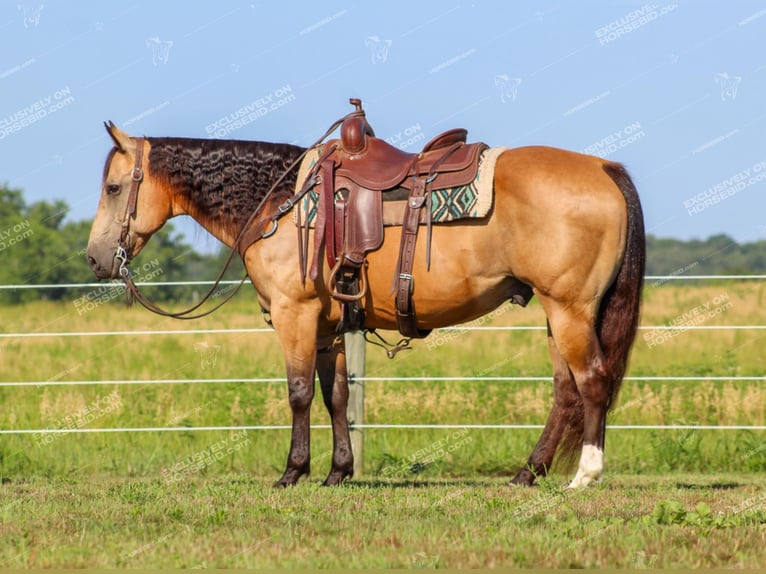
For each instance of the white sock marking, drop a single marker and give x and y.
(591, 466)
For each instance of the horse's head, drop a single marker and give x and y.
(126, 216)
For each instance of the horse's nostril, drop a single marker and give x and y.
(92, 262)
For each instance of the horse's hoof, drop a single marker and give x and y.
(289, 478)
(582, 482)
(336, 478)
(523, 478)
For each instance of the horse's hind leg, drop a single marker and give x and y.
(565, 405)
(573, 330)
(333, 378)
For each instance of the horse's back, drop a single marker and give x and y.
(537, 175)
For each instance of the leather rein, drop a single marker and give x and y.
(123, 245)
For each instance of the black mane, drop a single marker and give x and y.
(224, 179)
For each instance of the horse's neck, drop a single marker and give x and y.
(226, 234)
(228, 231)
(222, 183)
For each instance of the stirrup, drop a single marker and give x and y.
(332, 284)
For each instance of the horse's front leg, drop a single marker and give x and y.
(297, 333)
(333, 378)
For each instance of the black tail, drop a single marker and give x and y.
(617, 321)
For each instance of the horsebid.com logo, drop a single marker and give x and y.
(15, 234)
(726, 188)
(105, 293)
(632, 21)
(35, 112)
(250, 112)
(691, 318)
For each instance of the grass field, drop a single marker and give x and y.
(237, 521)
(140, 499)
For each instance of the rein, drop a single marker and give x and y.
(238, 246)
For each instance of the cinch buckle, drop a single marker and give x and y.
(285, 207)
(408, 277)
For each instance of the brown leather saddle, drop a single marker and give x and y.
(354, 172)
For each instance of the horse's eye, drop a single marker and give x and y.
(112, 189)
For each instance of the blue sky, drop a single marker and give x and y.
(675, 91)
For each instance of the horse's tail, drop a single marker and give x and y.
(617, 321)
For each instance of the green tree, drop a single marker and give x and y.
(717, 255)
(31, 244)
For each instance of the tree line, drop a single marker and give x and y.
(39, 246)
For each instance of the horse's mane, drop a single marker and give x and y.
(224, 179)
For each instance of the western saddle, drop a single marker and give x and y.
(354, 173)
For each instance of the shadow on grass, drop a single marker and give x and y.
(413, 484)
(373, 483)
(713, 486)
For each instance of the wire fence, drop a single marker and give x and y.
(118, 283)
(362, 380)
(381, 426)
(270, 380)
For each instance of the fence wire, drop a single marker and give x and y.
(381, 426)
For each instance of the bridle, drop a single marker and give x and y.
(246, 237)
(136, 177)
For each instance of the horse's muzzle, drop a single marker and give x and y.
(103, 271)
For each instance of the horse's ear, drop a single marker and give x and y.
(122, 141)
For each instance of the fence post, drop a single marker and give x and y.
(355, 361)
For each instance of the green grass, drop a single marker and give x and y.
(236, 521)
(139, 499)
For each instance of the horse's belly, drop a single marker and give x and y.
(441, 299)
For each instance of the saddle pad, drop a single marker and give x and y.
(465, 202)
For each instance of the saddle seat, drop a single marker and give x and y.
(373, 163)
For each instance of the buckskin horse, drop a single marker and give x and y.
(563, 226)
